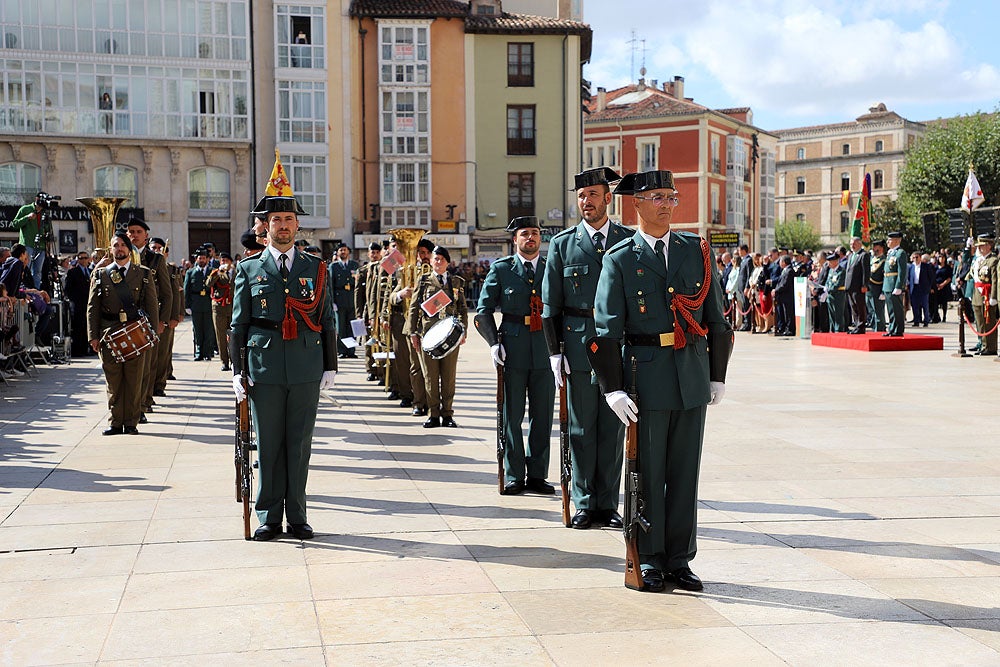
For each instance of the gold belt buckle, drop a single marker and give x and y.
(667, 339)
(527, 320)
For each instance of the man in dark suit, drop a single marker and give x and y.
(343, 278)
(77, 290)
(920, 279)
(856, 285)
(784, 298)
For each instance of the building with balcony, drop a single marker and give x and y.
(146, 100)
(723, 166)
(466, 115)
(816, 164)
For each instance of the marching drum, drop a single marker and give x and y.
(131, 340)
(442, 339)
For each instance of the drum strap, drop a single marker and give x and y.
(125, 296)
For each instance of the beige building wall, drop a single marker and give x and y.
(556, 96)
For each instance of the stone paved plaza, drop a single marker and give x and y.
(850, 515)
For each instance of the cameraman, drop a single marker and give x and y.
(29, 223)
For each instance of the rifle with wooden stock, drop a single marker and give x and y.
(501, 425)
(635, 504)
(244, 444)
(565, 456)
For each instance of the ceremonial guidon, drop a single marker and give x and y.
(572, 268)
(283, 317)
(512, 286)
(661, 334)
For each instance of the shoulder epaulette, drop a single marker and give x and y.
(566, 232)
(624, 243)
(509, 259)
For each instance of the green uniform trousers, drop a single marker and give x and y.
(897, 316)
(204, 334)
(283, 417)
(596, 439)
(835, 305)
(669, 460)
(876, 309)
(222, 317)
(124, 388)
(164, 349)
(537, 385)
(439, 383)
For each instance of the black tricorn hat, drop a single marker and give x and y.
(249, 241)
(201, 252)
(645, 180)
(879, 242)
(831, 256)
(523, 222)
(136, 220)
(598, 176)
(272, 204)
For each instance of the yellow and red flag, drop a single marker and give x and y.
(277, 184)
(862, 217)
(845, 197)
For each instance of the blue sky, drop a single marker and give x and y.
(807, 62)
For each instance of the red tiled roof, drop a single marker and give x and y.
(486, 23)
(409, 8)
(657, 103)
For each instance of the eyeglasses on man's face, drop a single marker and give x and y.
(660, 199)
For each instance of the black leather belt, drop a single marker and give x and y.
(265, 324)
(579, 312)
(519, 319)
(650, 340)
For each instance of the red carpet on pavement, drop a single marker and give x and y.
(876, 342)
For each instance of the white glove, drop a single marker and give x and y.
(968, 242)
(238, 387)
(498, 354)
(326, 382)
(623, 406)
(993, 302)
(881, 297)
(558, 363)
(718, 390)
(897, 292)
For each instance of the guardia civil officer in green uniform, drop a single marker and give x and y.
(283, 315)
(197, 299)
(875, 297)
(894, 284)
(659, 301)
(836, 296)
(572, 267)
(121, 291)
(513, 285)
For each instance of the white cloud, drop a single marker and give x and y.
(796, 57)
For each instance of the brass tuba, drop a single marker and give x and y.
(103, 211)
(406, 239)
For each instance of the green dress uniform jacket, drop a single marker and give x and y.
(196, 297)
(836, 298)
(104, 312)
(526, 368)
(894, 277)
(286, 374)
(633, 309)
(875, 305)
(572, 269)
(438, 374)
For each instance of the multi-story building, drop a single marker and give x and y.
(146, 100)
(817, 164)
(466, 116)
(723, 166)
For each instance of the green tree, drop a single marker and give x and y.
(937, 165)
(797, 234)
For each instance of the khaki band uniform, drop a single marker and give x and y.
(395, 312)
(439, 374)
(220, 285)
(362, 311)
(105, 311)
(379, 290)
(160, 281)
(416, 371)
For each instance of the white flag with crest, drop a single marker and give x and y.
(972, 196)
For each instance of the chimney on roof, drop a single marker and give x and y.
(679, 87)
(653, 83)
(602, 98)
